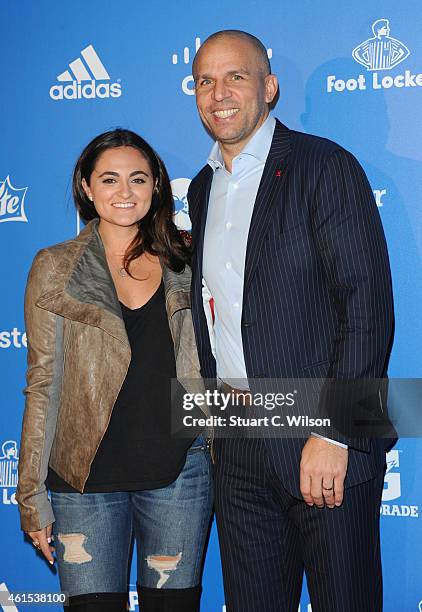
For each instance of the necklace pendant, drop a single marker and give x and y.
(122, 272)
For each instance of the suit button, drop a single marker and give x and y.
(248, 323)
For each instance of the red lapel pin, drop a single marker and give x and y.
(278, 173)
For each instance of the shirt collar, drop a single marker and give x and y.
(258, 146)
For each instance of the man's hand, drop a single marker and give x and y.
(322, 472)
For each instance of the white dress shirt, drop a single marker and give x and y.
(230, 209)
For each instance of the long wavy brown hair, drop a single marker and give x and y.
(157, 233)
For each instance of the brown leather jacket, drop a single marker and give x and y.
(78, 357)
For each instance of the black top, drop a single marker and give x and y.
(137, 451)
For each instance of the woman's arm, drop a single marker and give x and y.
(45, 365)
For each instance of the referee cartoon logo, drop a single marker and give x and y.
(9, 464)
(382, 52)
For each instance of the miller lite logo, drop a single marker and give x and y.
(12, 202)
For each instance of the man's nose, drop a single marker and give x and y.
(221, 91)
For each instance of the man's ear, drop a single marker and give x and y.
(271, 88)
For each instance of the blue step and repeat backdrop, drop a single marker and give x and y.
(72, 69)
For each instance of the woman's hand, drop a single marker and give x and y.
(41, 540)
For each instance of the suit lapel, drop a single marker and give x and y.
(201, 206)
(199, 218)
(274, 175)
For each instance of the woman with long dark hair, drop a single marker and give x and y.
(109, 327)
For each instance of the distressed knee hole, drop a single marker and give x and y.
(163, 565)
(74, 550)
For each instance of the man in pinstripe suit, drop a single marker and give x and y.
(289, 245)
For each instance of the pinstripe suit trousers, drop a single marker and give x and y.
(268, 538)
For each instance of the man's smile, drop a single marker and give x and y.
(225, 113)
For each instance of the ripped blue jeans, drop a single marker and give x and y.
(93, 532)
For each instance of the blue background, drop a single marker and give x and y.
(136, 40)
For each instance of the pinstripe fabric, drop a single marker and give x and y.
(317, 294)
(267, 537)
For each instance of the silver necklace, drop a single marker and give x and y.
(119, 270)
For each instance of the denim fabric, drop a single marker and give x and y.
(93, 532)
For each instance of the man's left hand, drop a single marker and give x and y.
(322, 472)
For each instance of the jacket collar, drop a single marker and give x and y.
(85, 290)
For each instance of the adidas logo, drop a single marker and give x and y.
(82, 77)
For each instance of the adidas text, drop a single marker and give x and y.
(78, 91)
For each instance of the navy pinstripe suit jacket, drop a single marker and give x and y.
(317, 290)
